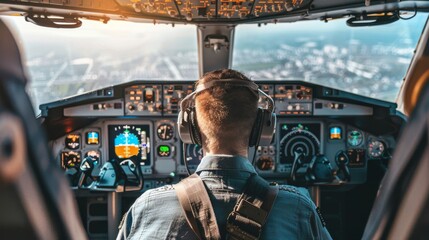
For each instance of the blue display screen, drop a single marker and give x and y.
(92, 138)
(335, 133)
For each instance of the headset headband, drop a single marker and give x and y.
(263, 127)
(231, 81)
(228, 82)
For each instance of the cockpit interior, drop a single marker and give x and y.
(90, 152)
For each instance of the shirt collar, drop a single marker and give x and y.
(225, 162)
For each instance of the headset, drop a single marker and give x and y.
(263, 127)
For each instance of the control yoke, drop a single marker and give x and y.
(317, 171)
(111, 177)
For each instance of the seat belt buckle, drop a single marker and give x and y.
(244, 222)
(250, 211)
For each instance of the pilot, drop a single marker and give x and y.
(225, 117)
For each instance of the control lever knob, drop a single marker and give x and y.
(86, 167)
(342, 160)
(297, 162)
(320, 170)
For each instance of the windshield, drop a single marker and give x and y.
(66, 62)
(369, 61)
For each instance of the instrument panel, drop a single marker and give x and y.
(156, 146)
(137, 121)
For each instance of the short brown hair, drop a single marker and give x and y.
(226, 112)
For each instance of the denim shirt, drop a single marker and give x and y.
(157, 214)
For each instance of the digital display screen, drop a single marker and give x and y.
(164, 150)
(92, 138)
(299, 139)
(335, 133)
(130, 142)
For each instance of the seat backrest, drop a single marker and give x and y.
(35, 200)
(401, 209)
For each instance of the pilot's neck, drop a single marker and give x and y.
(240, 152)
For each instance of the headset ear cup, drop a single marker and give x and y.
(268, 127)
(263, 128)
(195, 130)
(256, 129)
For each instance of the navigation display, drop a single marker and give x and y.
(130, 142)
(299, 138)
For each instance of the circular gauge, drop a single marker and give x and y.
(375, 148)
(94, 155)
(265, 163)
(298, 141)
(354, 138)
(165, 131)
(70, 159)
(72, 141)
(194, 154)
(164, 150)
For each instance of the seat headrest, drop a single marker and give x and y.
(10, 56)
(414, 86)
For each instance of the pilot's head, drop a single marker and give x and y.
(226, 114)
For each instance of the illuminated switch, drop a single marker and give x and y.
(328, 92)
(108, 92)
(148, 95)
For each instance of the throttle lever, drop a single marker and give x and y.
(319, 170)
(131, 167)
(297, 163)
(86, 168)
(112, 177)
(342, 160)
(135, 184)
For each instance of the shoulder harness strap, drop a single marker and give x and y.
(245, 222)
(195, 202)
(251, 212)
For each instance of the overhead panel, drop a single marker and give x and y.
(109, 5)
(161, 8)
(201, 10)
(196, 11)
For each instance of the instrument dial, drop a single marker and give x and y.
(354, 138)
(165, 131)
(94, 155)
(375, 148)
(72, 141)
(265, 163)
(70, 159)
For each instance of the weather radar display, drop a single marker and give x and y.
(130, 142)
